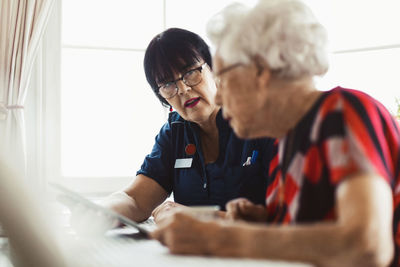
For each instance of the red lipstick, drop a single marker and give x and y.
(192, 102)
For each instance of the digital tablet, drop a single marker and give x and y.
(78, 199)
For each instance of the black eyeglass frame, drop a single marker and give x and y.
(199, 68)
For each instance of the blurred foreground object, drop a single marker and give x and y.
(30, 240)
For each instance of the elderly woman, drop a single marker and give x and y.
(333, 197)
(196, 155)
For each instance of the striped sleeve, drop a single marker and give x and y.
(370, 141)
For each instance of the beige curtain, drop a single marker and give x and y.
(22, 24)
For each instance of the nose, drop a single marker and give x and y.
(218, 98)
(182, 87)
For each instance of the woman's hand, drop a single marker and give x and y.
(183, 234)
(244, 209)
(166, 209)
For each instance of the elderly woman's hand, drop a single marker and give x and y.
(244, 209)
(166, 209)
(183, 234)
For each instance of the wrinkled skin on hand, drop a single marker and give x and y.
(244, 209)
(183, 234)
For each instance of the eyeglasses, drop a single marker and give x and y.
(217, 76)
(190, 78)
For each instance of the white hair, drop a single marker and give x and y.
(284, 33)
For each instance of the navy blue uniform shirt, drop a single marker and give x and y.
(213, 183)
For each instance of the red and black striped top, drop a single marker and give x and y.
(345, 132)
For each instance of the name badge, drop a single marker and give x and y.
(183, 163)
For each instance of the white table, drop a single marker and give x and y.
(123, 252)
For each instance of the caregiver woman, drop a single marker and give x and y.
(196, 155)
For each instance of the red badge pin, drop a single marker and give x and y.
(190, 149)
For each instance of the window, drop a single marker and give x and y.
(108, 114)
(105, 114)
(365, 50)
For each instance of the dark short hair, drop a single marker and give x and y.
(171, 51)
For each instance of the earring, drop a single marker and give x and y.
(170, 109)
